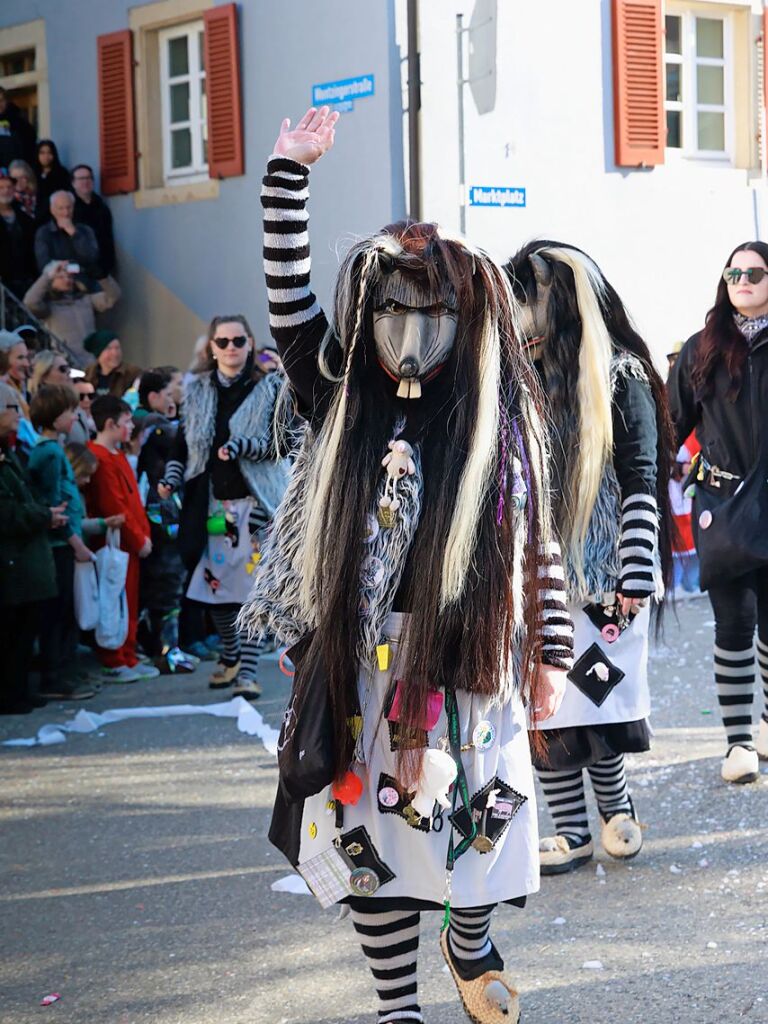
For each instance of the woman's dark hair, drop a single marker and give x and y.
(52, 146)
(721, 340)
(206, 362)
(151, 380)
(50, 401)
(561, 370)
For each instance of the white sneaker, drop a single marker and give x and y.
(121, 674)
(145, 671)
(762, 740)
(740, 765)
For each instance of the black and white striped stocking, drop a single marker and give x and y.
(390, 941)
(735, 680)
(609, 781)
(567, 804)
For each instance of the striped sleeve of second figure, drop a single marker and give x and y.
(555, 623)
(637, 548)
(284, 195)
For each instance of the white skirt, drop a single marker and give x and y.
(224, 574)
(416, 857)
(609, 679)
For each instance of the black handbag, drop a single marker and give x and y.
(305, 749)
(731, 533)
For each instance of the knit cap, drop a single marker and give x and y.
(97, 341)
(8, 339)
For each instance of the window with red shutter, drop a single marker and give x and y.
(222, 69)
(117, 120)
(638, 91)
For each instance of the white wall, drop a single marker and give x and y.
(661, 236)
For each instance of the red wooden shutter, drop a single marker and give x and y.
(638, 90)
(222, 73)
(117, 119)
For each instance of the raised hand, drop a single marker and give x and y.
(310, 139)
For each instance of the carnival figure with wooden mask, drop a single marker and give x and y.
(412, 566)
(611, 444)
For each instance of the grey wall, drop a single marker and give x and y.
(208, 253)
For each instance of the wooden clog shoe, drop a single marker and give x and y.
(557, 855)
(489, 999)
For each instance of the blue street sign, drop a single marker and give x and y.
(344, 91)
(489, 195)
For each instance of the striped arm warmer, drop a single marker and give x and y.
(637, 547)
(556, 624)
(247, 448)
(284, 195)
(174, 474)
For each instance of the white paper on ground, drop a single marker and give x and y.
(291, 883)
(248, 718)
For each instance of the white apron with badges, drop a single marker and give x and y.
(409, 859)
(609, 679)
(224, 574)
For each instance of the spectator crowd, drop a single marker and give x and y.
(102, 457)
(57, 247)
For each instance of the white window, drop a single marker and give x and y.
(699, 84)
(183, 103)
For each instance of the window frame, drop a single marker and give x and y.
(689, 107)
(194, 33)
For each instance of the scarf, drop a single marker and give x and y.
(750, 326)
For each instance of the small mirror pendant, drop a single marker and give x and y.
(386, 517)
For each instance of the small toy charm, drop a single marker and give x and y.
(349, 790)
(398, 464)
(483, 735)
(600, 671)
(438, 772)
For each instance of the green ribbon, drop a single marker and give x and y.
(460, 789)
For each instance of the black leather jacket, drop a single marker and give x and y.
(730, 431)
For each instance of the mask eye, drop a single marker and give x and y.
(391, 306)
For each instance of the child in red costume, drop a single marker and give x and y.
(114, 490)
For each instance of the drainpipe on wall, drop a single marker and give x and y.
(414, 110)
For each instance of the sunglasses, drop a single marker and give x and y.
(732, 275)
(239, 342)
(64, 368)
(86, 397)
(12, 408)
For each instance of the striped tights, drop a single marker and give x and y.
(566, 798)
(234, 645)
(390, 941)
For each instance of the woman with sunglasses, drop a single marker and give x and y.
(49, 367)
(233, 481)
(719, 387)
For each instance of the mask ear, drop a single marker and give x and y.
(542, 271)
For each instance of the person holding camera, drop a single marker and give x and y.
(67, 302)
(719, 388)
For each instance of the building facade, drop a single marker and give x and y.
(633, 128)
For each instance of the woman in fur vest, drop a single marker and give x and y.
(400, 566)
(611, 444)
(233, 481)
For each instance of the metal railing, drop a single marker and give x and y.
(13, 314)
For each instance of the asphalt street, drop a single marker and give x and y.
(135, 880)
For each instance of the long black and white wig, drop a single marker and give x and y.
(583, 324)
(470, 589)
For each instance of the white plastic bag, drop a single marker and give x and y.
(112, 569)
(86, 595)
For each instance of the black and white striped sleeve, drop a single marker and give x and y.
(296, 320)
(555, 622)
(173, 473)
(638, 543)
(252, 448)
